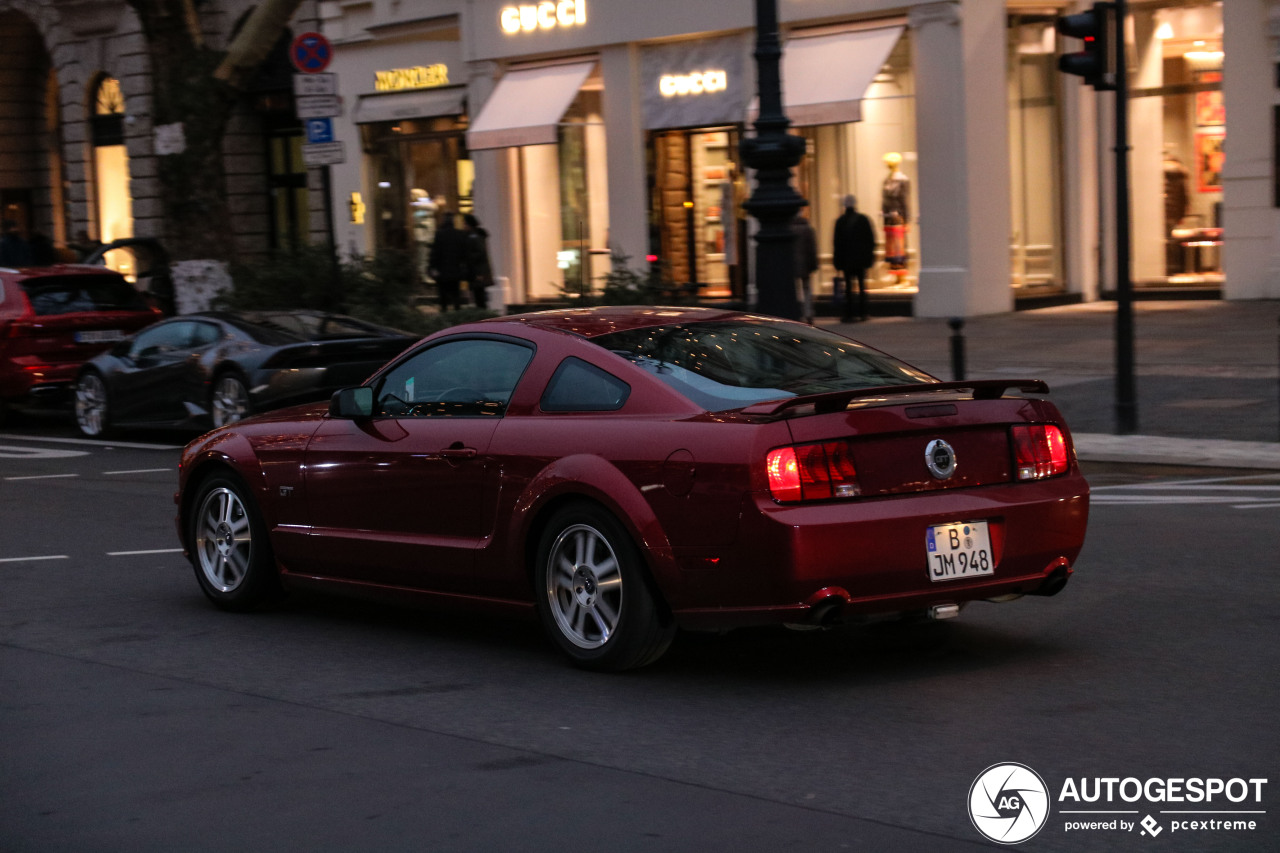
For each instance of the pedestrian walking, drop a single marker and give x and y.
(806, 264)
(479, 270)
(853, 251)
(447, 263)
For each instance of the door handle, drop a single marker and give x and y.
(456, 451)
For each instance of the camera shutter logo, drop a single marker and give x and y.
(1008, 803)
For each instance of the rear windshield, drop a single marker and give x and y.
(70, 294)
(733, 364)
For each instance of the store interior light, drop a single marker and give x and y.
(1164, 32)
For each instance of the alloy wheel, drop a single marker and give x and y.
(230, 400)
(224, 539)
(91, 404)
(584, 586)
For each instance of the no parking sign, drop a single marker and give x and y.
(310, 52)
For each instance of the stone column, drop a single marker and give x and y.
(1251, 222)
(962, 132)
(624, 130)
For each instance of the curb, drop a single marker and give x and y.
(1161, 450)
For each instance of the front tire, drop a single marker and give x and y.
(229, 401)
(92, 405)
(230, 553)
(594, 595)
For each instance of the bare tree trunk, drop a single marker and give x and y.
(194, 90)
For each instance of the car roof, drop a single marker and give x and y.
(56, 270)
(603, 320)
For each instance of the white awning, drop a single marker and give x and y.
(825, 78)
(526, 106)
(419, 103)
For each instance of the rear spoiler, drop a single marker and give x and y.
(835, 401)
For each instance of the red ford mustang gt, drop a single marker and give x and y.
(628, 471)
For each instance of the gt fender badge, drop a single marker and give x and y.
(940, 459)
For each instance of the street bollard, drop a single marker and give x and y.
(957, 348)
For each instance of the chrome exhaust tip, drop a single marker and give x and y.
(944, 611)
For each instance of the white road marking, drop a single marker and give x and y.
(33, 559)
(91, 442)
(7, 452)
(1231, 491)
(139, 471)
(44, 477)
(142, 553)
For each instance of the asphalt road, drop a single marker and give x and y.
(134, 716)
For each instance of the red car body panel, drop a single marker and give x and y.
(448, 509)
(40, 352)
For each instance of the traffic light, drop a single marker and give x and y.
(1095, 27)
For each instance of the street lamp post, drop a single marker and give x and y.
(772, 152)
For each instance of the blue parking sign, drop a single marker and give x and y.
(319, 130)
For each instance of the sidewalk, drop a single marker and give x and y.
(1207, 373)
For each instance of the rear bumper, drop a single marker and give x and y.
(860, 559)
(23, 379)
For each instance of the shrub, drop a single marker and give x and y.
(383, 288)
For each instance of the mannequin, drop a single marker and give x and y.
(1176, 203)
(893, 206)
(424, 226)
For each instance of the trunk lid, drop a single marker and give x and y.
(890, 438)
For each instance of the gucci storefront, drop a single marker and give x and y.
(583, 131)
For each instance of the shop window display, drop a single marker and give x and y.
(695, 209)
(418, 169)
(1178, 129)
(111, 162)
(874, 160)
(1035, 155)
(564, 203)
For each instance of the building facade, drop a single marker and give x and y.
(589, 133)
(584, 131)
(78, 148)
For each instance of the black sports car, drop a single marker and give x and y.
(214, 368)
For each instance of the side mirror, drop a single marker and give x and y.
(352, 403)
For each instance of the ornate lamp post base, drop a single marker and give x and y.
(773, 152)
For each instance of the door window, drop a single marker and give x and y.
(467, 378)
(162, 340)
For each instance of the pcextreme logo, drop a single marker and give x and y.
(1009, 803)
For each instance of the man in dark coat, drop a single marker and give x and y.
(853, 247)
(479, 269)
(447, 263)
(806, 247)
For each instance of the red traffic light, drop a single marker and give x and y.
(1094, 28)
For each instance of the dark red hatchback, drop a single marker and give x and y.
(54, 319)
(628, 471)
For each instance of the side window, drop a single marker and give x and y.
(579, 386)
(466, 378)
(162, 339)
(205, 334)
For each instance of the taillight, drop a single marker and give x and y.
(807, 472)
(1039, 451)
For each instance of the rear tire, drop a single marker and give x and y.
(594, 595)
(230, 553)
(92, 405)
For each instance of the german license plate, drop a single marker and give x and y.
(99, 336)
(958, 551)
